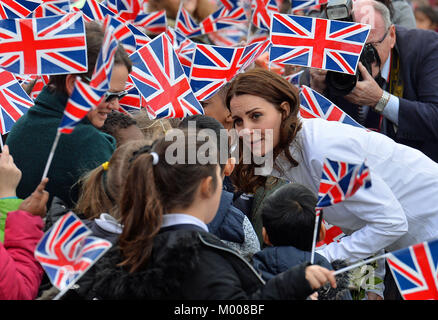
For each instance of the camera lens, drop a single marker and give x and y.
(340, 84)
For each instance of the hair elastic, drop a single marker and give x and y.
(105, 165)
(155, 157)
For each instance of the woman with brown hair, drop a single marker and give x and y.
(396, 212)
(165, 250)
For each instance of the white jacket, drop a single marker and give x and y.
(400, 209)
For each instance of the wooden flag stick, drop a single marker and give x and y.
(51, 154)
(361, 263)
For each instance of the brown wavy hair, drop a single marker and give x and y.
(276, 90)
(151, 191)
(100, 188)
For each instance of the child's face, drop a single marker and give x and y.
(423, 22)
(215, 108)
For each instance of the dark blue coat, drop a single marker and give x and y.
(228, 222)
(274, 260)
(418, 112)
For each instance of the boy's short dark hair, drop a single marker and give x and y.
(117, 120)
(206, 122)
(288, 216)
(202, 122)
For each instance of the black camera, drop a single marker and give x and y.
(341, 84)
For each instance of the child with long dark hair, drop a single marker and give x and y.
(165, 250)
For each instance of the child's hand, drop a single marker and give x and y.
(318, 276)
(10, 175)
(36, 203)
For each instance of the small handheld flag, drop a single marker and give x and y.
(160, 79)
(14, 101)
(317, 43)
(51, 45)
(339, 181)
(67, 251)
(315, 105)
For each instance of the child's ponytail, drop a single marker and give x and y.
(141, 212)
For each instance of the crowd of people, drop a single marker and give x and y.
(218, 230)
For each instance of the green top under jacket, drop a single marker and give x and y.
(31, 139)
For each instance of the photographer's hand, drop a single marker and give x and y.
(367, 92)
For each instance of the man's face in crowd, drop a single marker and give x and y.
(380, 37)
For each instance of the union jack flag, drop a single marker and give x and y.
(95, 10)
(184, 49)
(214, 66)
(14, 101)
(185, 24)
(41, 81)
(51, 8)
(125, 9)
(132, 102)
(129, 36)
(415, 270)
(51, 45)
(155, 22)
(332, 234)
(81, 101)
(294, 78)
(317, 43)
(140, 38)
(102, 72)
(160, 79)
(67, 250)
(253, 51)
(315, 105)
(340, 180)
(122, 33)
(302, 4)
(15, 9)
(262, 11)
(230, 4)
(220, 19)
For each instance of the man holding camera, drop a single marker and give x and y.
(396, 88)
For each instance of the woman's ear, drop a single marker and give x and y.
(285, 110)
(70, 83)
(229, 167)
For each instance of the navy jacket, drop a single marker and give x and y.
(418, 112)
(228, 222)
(274, 260)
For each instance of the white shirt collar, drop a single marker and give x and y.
(171, 219)
(385, 69)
